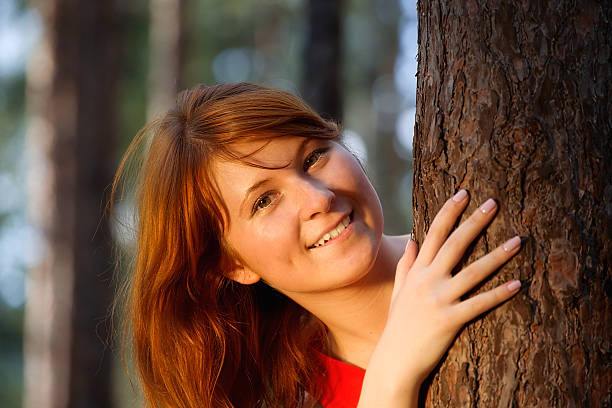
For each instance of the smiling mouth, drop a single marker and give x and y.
(334, 232)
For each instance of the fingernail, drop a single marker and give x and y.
(460, 196)
(488, 206)
(514, 285)
(512, 243)
(412, 238)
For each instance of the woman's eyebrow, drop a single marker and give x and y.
(256, 186)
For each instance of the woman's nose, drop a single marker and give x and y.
(313, 197)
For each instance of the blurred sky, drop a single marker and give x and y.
(19, 242)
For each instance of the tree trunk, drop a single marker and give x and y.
(71, 101)
(514, 102)
(167, 54)
(322, 55)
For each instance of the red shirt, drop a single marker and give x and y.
(343, 383)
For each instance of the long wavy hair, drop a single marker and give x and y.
(198, 338)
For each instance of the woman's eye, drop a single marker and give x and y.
(262, 203)
(313, 158)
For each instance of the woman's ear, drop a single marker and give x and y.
(242, 274)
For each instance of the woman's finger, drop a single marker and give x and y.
(477, 305)
(474, 273)
(454, 247)
(441, 226)
(404, 265)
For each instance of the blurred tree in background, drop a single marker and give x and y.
(71, 97)
(166, 54)
(321, 86)
(102, 69)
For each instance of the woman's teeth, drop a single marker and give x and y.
(334, 232)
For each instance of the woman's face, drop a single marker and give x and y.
(280, 218)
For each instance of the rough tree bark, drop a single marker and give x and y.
(71, 101)
(514, 102)
(322, 54)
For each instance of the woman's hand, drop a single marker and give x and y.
(426, 310)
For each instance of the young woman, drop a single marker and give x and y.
(261, 275)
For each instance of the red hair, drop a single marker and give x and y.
(200, 339)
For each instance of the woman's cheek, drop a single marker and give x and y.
(275, 235)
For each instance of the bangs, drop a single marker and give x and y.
(226, 152)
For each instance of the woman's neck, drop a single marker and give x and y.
(356, 315)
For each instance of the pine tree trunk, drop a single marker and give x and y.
(514, 102)
(71, 107)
